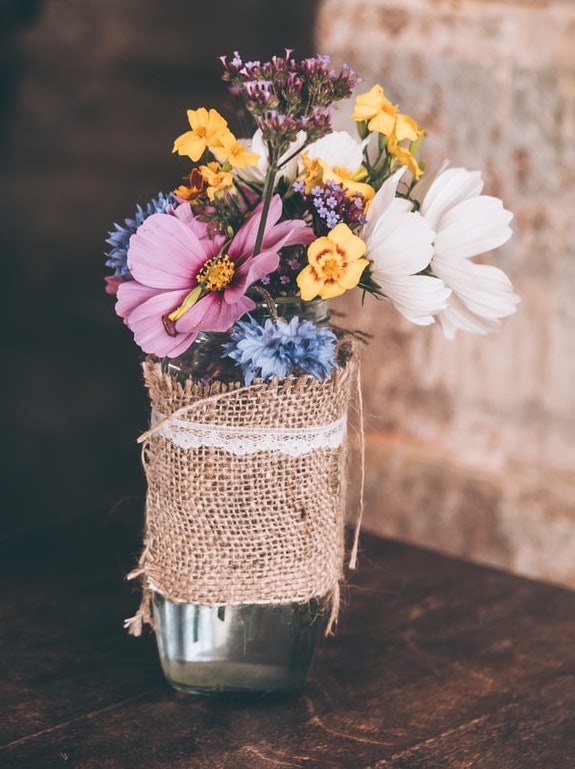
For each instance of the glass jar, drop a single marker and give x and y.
(251, 647)
(204, 362)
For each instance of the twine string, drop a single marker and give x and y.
(361, 507)
(190, 407)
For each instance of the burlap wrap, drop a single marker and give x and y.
(264, 527)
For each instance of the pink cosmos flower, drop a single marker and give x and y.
(187, 280)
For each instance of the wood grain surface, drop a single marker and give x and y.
(435, 664)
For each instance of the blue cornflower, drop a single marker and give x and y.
(282, 348)
(119, 238)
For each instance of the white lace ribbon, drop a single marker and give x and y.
(293, 442)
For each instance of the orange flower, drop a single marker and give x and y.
(196, 188)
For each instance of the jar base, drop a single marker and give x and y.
(232, 678)
(246, 649)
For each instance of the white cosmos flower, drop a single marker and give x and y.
(256, 174)
(399, 245)
(337, 150)
(467, 224)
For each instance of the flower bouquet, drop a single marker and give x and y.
(224, 282)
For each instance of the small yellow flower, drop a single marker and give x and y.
(313, 173)
(404, 156)
(382, 116)
(335, 264)
(207, 130)
(317, 173)
(230, 150)
(348, 180)
(216, 179)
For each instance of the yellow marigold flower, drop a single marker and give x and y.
(216, 179)
(207, 130)
(382, 116)
(335, 264)
(404, 156)
(230, 150)
(405, 128)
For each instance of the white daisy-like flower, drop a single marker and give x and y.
(337, 150)
(467, 224)
(399, 243)
(257, 174)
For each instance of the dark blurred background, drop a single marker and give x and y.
(92, 95)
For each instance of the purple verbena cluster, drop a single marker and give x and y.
(332, 204)
(285, 96)
(282, 282)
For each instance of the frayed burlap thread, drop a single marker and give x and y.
(259, 527)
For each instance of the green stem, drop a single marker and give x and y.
(266, 201)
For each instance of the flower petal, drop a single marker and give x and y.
(185, 214)
(472, 227)
(165, 253)
(457, 317)
(417, 297)
(149, 332)
(337, 149)
(450, 187)
(245, 239)
(214, 313)
(131, 294)
(309, 283)
(258, 267)
(400, 242)
(382, 200)
(289, 233)
(483, 289)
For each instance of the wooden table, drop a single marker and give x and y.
(436, 664)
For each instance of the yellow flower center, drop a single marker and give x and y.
(331, 263)
(217, 273)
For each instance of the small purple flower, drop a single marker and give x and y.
(331, 205)
(284, 96)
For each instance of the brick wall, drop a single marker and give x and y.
(471, 443)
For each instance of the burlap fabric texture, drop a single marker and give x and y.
(232, 528)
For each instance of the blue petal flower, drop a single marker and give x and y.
(281, 348)
(119, 238)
